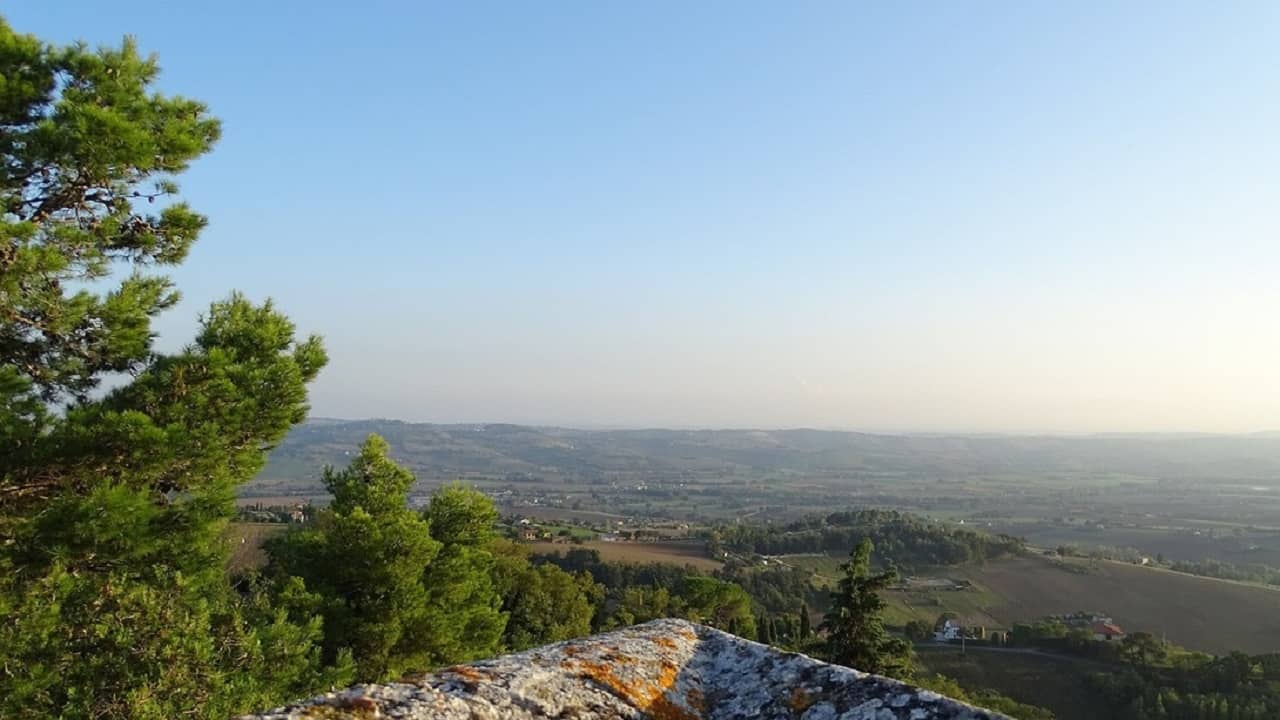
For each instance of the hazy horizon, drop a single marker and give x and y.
(910, 218)
(1265, 433)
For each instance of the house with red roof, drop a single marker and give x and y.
(1106, 631)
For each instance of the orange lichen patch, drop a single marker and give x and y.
(613, 655)
(469, 677)
(665, 642)
(468, 674)
(571, 650)
(664, 709)
(800, 700)
(347, 707)
(647, 697)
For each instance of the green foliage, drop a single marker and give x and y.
(543, 603)
(1032, 633)
(1250, 572)
(1191, 687)
(398, 592)
(1143, 648)
(806, 631)
(764, 630)
(112, 590)
(84, 139)
(459, 514)
(918, 630)
(464, 616)
(988, 699)
(641, 603)
(899, 537)
(636, 593)
(856, 635)
(720, 604)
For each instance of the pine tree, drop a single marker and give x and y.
(464, 608)
(856, 636)
(365, 556)
(805, 630)
(720, 604)
(543, 603)
(113, 594)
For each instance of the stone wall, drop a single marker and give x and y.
(665, 670)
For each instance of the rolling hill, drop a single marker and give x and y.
(440, 451)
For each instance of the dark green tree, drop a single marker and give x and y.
(806, 631)
(402, 591)
(365, 556)
(720, 604)
(918, 630)
(113, 598)
(1143, 649)
(464, 609)
(544, 604)
(765, 633)
(856, 635)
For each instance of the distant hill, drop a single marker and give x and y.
(442, 451)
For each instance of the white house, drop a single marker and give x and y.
(948, 631)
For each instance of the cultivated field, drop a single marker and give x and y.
(1198, 613)
(246, 543)
(676, 553)
(1239, 545)
(552, 514)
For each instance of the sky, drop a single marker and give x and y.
(928, 217)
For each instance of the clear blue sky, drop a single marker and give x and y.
(889, 216)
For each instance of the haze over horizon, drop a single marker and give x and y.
(605, 427)
(979, 218)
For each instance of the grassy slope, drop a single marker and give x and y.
(676, 553)
(246, 543)
(1051, 681)
(1198, 613)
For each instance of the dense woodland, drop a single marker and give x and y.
(900, 538)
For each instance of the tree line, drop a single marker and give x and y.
(1160, 682)
(901, 538)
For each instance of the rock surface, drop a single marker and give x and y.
(664, 670)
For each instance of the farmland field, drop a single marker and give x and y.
(1199, 613)
(246, 543)
(676, 553)
(1241, 546)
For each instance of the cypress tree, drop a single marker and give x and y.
(765, 630)
(856, 635)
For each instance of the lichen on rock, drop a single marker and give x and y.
(664, 670)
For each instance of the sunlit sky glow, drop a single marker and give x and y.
(985, 216)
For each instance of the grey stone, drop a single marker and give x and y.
(663, 670)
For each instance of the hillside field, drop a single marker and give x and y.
(1199, 613)
(246, 540)
(675, 553)
(1204, 614)
(1056, 682)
